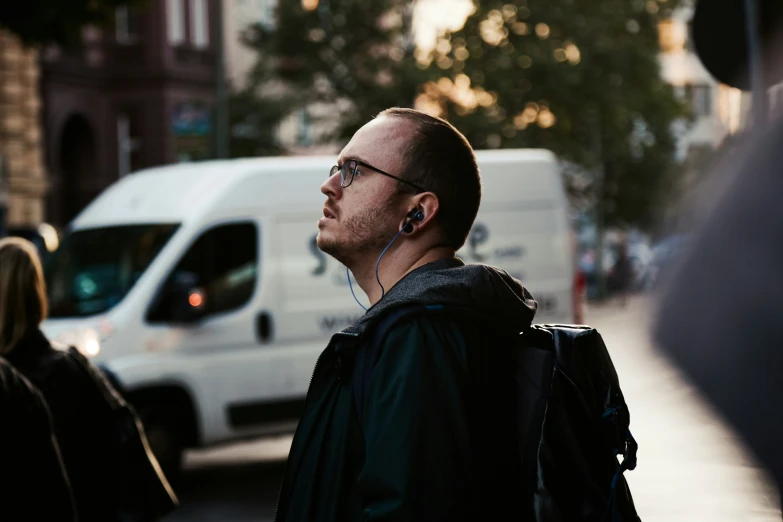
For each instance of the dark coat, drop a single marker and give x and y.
(83, 406)
(33, 483)
(431, 445)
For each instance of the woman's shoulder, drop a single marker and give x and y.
(14, 387)
(62, 373)
(35, 356)
(55, 369)
(22, 406)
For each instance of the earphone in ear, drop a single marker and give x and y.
(414, 215)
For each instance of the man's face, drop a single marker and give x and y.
(361, 219)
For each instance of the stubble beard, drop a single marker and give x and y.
(360, 235)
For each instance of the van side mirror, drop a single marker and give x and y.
(187, 298)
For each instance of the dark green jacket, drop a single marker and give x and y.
(437, 441)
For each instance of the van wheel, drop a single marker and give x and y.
(165, 440)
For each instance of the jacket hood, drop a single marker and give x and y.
(450, 282)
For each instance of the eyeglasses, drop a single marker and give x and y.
(348, 171)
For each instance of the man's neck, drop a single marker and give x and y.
(394, 266)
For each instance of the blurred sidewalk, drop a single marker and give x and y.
(691, 466)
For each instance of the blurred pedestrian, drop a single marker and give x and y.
(113, 474)
(33, 482)
(428, 435)
(721, 309)
(718, 318)
(621, 275)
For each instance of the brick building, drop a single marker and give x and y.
(23, 178)
(138, 95)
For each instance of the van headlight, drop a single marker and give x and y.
(86, 340)
(91, 345)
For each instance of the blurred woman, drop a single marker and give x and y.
(30, 463)
(112, 472)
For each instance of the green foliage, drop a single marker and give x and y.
(579, 77)
(354, 54)
(252, 124)
(59, 22)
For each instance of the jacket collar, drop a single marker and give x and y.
(396, 296)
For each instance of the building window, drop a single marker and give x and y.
(666, 35)
(700, 99)
(199, 23)
(689, 45)
(304, 128)
(266, 13)
(775, 94)
(126, 22)
(128, 144)
(671, 36)
(175, 21)
(729, 105)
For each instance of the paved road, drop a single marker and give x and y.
(691, 467)
(237, 483)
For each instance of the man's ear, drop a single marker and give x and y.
(428, 204)
(425, 208)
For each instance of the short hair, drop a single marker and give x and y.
(440, 159)
(22, 291)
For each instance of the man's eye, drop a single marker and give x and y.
(357, 171)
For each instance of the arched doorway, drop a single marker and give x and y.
(77, 167)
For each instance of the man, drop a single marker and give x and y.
(433, 437)
(33, 482)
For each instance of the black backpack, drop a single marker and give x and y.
(571, 416)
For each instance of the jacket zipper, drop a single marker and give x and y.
(304, 409)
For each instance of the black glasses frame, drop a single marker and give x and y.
(348, 170)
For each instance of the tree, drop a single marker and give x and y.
(353, 56)
(578, 77)
(252, 124)
(56, 21)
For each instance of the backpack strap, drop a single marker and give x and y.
(628, 450)
(368, 355)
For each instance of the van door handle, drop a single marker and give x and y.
(264, 327)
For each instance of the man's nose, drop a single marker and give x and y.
(331, 187)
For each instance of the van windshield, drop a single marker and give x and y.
(95, 268)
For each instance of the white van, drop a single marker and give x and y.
(200, 289)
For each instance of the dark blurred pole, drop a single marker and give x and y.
(408, 42)
(221, 102)
(755, 61)
(409, 45)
